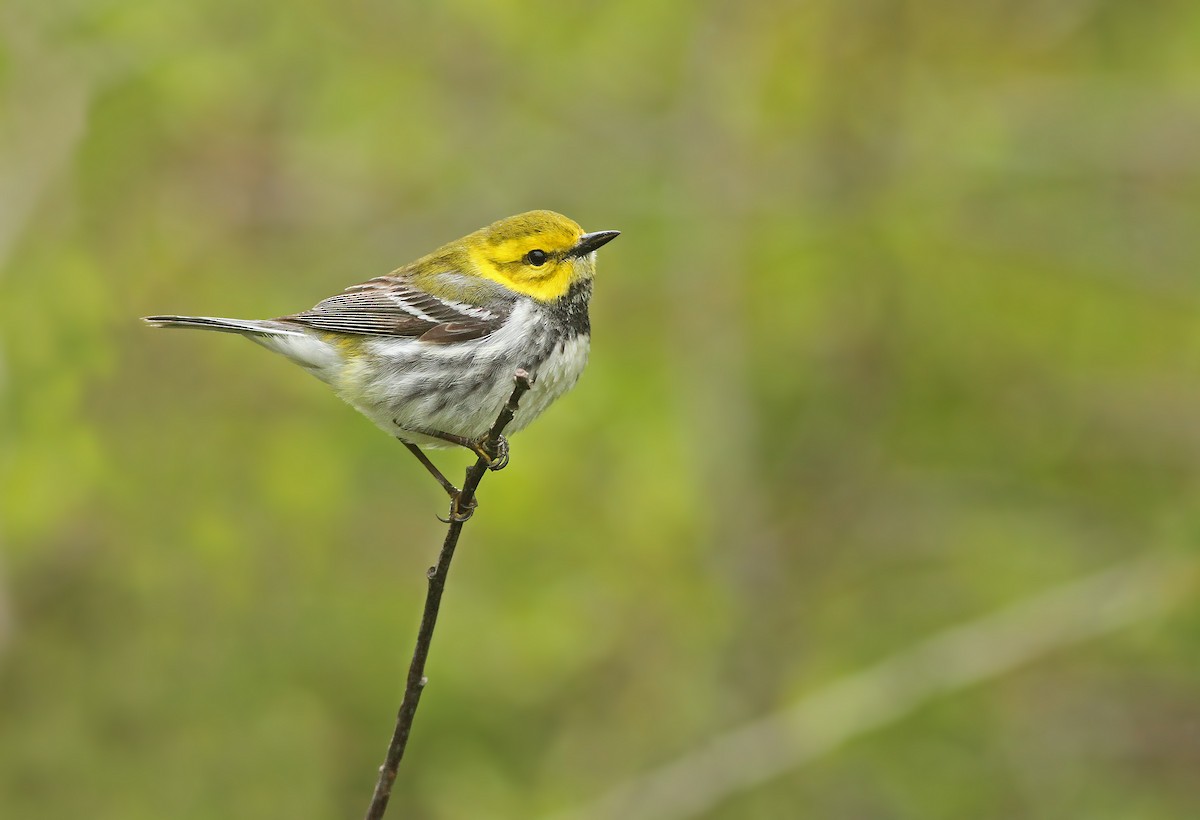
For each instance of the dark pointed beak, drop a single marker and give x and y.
(590, 241)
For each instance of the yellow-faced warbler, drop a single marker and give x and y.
(429, 351)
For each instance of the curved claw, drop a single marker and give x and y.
(501, 459)
(497, 460)
(458, 513)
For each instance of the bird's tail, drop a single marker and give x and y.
(242, 326)
(315, 354)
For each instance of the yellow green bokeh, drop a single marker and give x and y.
(903, 327)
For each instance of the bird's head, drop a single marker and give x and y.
(539, 254)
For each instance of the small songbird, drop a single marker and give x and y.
(428, 352)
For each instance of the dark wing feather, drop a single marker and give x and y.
(392, 306)
(450, 332)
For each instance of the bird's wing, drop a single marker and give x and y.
(394, 306)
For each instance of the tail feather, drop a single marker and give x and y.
(315, 354)
(242, 326)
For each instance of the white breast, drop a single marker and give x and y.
(554, 377)
(406, 386)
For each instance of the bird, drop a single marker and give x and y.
(428, 352)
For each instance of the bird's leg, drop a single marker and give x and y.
(496, 461)
(450, 489)
(457, 512)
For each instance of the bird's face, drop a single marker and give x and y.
(539, 253)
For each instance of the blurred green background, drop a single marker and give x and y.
(903, 328)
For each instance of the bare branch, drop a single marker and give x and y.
(433, 599)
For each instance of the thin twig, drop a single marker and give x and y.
(433, 599)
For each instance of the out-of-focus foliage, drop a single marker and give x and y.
(904, 325)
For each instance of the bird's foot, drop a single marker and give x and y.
(497, 460)
(459, 512)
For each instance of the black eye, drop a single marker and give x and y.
(535, 258)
